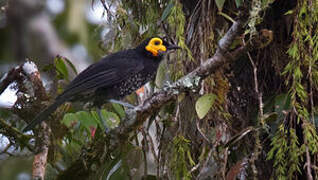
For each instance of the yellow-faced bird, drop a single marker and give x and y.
(113, 77)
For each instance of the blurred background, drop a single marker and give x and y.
(40, 30)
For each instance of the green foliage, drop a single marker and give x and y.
(181, 158)
(69, 119)
(119, 110)
(311, 136)
(61, 69)
(294, 153)
(92, 119)
(62, 66)
(303, 51)
(112, 120)
(286, 153)
(177, 23)
(204, 104)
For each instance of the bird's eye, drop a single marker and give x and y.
(157, 43)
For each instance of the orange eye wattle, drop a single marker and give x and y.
(155, 45)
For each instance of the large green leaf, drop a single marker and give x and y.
(220, 4)
(86, 119)
(204, 104)
(69, 119)
(119, 110)
(112, 119)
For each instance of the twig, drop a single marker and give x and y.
(308, 159)
(257, 146)
(195, 167)
(107, 9)
(257, 91)
(40, 159)
(202, 134)
(225, 162)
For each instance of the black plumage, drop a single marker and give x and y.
(113, 77)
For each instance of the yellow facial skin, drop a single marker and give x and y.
(155, 45)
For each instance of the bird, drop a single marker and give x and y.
(113, 77)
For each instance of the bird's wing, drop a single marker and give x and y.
(105, 73)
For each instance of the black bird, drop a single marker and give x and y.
(113, 77)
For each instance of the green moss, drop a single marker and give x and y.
(181, 158)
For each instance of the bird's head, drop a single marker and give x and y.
(157, 47)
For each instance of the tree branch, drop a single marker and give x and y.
(40, 158)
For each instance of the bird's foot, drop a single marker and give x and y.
(167, 85)
(103, 120)
(122, 103)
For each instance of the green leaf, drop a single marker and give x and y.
(70, 64)
(220, 4)
(61, 68)
(119, 109)
(204, 104)
(98, 120)
(167, 11)
(69, 119)
(86, 119)
(112, 119)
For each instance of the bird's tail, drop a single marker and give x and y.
(43, 115)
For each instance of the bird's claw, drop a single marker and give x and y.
(122, 103)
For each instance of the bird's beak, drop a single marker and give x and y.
(171, 47)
